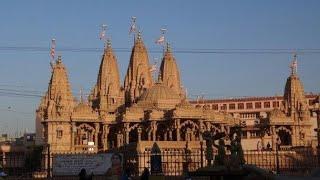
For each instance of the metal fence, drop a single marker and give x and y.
(177, 163)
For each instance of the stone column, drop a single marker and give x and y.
(105, 137)
(96, 135)
(139, 133)
(165, 136)
(178, 129)
(274, 137)
(73, 135)
(154, 130)
(119, 139)
(170, 135)
(127, 131)
(295, 136)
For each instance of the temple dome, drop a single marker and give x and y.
(159, 96)
(84, 112)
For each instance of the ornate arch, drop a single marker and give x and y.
(284, 129)
(189, 122)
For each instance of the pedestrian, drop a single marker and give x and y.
(145, 174)
(84, 176)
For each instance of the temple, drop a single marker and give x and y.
(144, 110)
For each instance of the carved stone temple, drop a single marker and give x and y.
(144, 110)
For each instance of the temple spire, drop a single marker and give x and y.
(106, 95)
(169, 72)
(138, 77)
(60, 98)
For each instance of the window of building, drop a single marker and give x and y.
(249, 105)
(232, 106)
(59, 133)
(311, 102)
(275, 104)
(266, 104)
(244, 134)
(257, 105)
(240, 106)
(215, 107)
(224, 107)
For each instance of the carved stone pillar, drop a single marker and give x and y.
(149, 135)
(170, 135)
(127, 131)
(119, 139)
(139, 133)
(165, 138)
(154, 130)
(274, 137)
(96, 136)
(105, 137)
(295, 136)
(178, 129)
(73, 135)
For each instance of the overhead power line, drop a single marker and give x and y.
(176, 50)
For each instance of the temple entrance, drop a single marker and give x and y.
(285, 137)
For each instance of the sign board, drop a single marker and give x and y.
(71, 164)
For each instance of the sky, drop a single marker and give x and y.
(203, 36)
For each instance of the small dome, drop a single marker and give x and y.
(160, 96)
(82, 108)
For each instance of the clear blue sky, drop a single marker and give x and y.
(252, 24)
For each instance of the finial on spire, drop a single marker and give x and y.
(168, 47)
(294, 64)
(59, 60)
(108, 43)
(139, 35)
(81, 95)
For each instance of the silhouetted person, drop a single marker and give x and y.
(83, 175)
(268, 146)
(145, 174)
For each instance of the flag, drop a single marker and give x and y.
(102, 34)
(153, 67)
(53, 48)
(133, 28)
(160, 40)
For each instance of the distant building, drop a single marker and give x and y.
(143, 110)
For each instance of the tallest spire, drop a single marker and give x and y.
(138, 77)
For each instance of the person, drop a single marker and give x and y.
(115, 171)
(145, 174)
(268, 146)
(83, 175)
